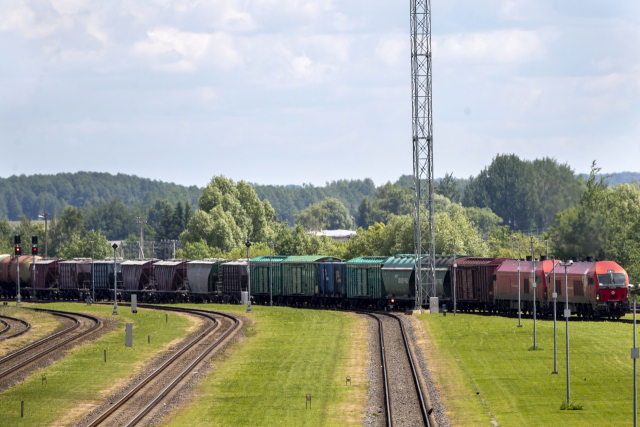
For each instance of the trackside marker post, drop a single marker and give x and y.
(308, 401)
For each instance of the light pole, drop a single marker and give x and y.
(635, 353)
(567, 314)
(555, 342)
(115, 281)
(270, 275)
(519, 286)
(248, 245)
(93, 288)
(533, 275)
(512, 237)
(46, 239)
(454, 276)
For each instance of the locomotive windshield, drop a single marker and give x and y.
(612, 280)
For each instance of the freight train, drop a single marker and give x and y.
(595, 289)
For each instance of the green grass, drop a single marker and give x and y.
(490, 356)
(42, 324)
(82, 380)
(263, 380)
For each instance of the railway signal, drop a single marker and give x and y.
(18, 252)
(635, 353)
(115, 281)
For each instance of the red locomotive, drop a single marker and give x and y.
(596, 289)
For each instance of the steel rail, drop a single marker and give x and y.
(423, 408)
(387, 402)
(186, 371)
(48, 350)
(6, 326)
(24, 322)
(159, 370)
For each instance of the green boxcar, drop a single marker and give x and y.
(398, 275)
(300, 274)
(259, 268)
(364, 277)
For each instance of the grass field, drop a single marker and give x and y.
(41, 325)
(81, 380)
(490, 356)
(290, 353)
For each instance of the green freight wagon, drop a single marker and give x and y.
(364, 277)
(300, 275)
(260, 267)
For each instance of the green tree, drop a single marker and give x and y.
(79, 246)
(603, 224)
(229, 213)
(483, 218)
(448, 187)
(363, 216)
(330, 214)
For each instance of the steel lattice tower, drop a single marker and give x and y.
(422, 150)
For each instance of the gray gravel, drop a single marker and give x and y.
(375, 400)
(405, 405)
(439, 411)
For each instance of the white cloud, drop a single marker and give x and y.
(16, 16)
(503, 46)
(67, 7)
(393, 48)
(191, 48)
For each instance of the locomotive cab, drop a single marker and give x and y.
(611, 282)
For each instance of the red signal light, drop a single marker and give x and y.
(18, 250)
(34, 250)
(392, 300)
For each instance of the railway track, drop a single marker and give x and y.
(20, 359)
(13, 327)
(404, 401)
(141, 402)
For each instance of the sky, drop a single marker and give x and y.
(310, 91)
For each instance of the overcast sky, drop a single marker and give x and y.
(293, 91)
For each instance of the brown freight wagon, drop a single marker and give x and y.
(474, 282)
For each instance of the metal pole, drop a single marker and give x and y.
(46, 237)
(519, 286)
(115, 281)
(248, 244)
(18, 278)
(511, 247)
(454, 277)
(635, 360)
(93, 288)
(33, 278)
(270, 276)
(566, 311)
(555, 342)
(535, 288)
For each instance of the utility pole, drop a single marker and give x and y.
(422, 139)
(270, 275)
(115, 281)
(248, 245)
(534, 287)
(555, 331)
(519, 287)
(141, 223)
(454, 276)
(93, 288)
(46, 238)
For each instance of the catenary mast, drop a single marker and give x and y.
(424, 237)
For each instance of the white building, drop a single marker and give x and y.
(337, 235)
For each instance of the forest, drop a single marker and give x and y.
(542, 204)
